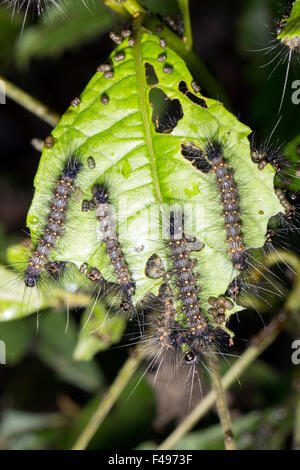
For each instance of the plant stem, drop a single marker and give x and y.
(133, 7)
(221, 401)
(116, 6)
(260, 343)
(107, 403)
(188, 36)
(30, 103)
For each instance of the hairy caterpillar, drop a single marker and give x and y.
(112, 245)
(229, 196)
(179, 329)
(55, 221)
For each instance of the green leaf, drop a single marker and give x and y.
(56, 346)
(99, 331)
(145, 171)
(58, 31)
(17, 302)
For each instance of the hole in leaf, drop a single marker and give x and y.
(166, 112)
(151, 77)
(195, 155)
(182, 87)
(154, 267)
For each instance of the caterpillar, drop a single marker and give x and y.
(186, 280)
(55, 221)
(112, 245)
(229, 196)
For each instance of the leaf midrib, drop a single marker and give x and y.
(137, 54)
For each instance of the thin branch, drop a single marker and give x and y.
(31, 104)
(260, 343)
(188, 35)
(107, 403)
(117, 7)
(221, 401)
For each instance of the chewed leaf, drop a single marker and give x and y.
(135, 129)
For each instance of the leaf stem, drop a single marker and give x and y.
(107, 403)
(116, 6)
(143, 104)
(221, 401)
(31, 104)
(188, 35)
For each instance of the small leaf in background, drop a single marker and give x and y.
(98, 331)
(59, 32)
(17, 336)
(24, 430)
(55, 347)
(9, 31)
(126, 424)
(248, 430)
(167, 7)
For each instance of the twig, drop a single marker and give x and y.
(107, 403)
(188, 36)
(31, 104)
(260, 343)
(221, 401)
